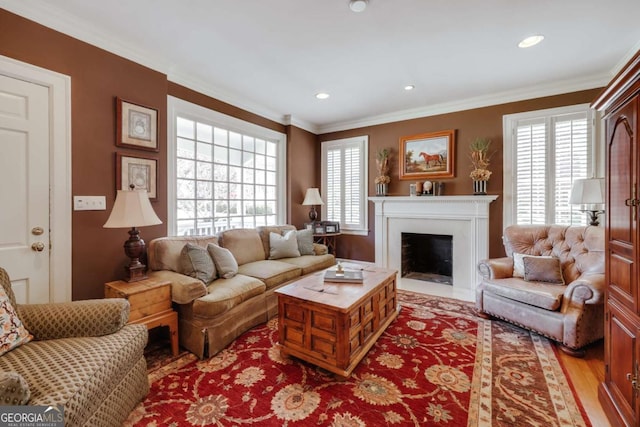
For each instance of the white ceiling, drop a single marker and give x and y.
(272, 56)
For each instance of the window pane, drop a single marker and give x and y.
(185, 128)
(205, 132)
(344, 182)
(218, 184)
(550, 153)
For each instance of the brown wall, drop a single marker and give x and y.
(303, 166)
(469, 124)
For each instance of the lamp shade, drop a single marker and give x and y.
(588, 192)
(132, 209)
(312, 197)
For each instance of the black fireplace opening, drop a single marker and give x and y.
(427, 257)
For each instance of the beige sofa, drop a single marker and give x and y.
(83, 356)
(571, 313)
(211, 316)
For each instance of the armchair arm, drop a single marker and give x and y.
(90, 318)
(496, 268)
(589, 288)
(320, 249)
(184, 289)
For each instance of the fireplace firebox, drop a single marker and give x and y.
(427, 257)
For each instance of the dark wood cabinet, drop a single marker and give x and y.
(619, 104)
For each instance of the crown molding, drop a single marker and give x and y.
(290, 120)
(557, 88)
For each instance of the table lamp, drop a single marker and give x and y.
(589, 193)
(133, 209)
(312, 198)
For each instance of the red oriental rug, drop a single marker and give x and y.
(437, 364)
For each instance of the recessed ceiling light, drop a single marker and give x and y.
(409, 87)
(358, 5)
(531, 41)
(322, 95)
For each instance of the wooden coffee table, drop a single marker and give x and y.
(333, 325)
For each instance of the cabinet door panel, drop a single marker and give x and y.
(621, 350)
(622, 193)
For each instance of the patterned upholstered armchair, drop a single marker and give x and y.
(82, 355)
(551, 282)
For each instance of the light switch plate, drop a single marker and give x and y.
(89, 203)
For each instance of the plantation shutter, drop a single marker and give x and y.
(344, 182)
(551, 152)
(332, 192)
(531, 171)
(572, 161)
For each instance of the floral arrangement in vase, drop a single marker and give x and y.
(382, 162)
(383, 156)
(480, 160)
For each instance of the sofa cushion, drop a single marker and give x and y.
(265, 230)
(163, 253)
(13, 332)
(224, 294)
(305, 242)
(197, 263)
(271, 272)
(283, 246)
(14, 389)
(518, 263)
(543, 295)
(225, 263)
(538, 269)
(311, 263)
(244, 243)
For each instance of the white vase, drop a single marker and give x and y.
(381, 189)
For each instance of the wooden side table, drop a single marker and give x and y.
(150, 302)
(327, 239)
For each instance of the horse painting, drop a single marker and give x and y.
(432, 159)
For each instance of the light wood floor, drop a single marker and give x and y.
(586, 374)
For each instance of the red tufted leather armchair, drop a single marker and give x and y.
(571, 313)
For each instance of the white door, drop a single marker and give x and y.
(24, 192)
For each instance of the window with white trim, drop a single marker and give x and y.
(544, 152)
(344, 183)
(223, 172)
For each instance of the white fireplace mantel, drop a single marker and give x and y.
(466, 218)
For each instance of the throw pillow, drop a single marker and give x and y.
(283, 246)
(14, 389)
(226, 264)
(196, 262)
(13, 332)
(518, 265)
(305, 242)
(538, 269)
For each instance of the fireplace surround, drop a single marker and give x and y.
(465, 218)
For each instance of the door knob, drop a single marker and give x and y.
(36, 231)
(38, 246)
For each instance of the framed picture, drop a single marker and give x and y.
(427, 155)
(137, 171)
(318, 229)
(137, 126)
(331, 227)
